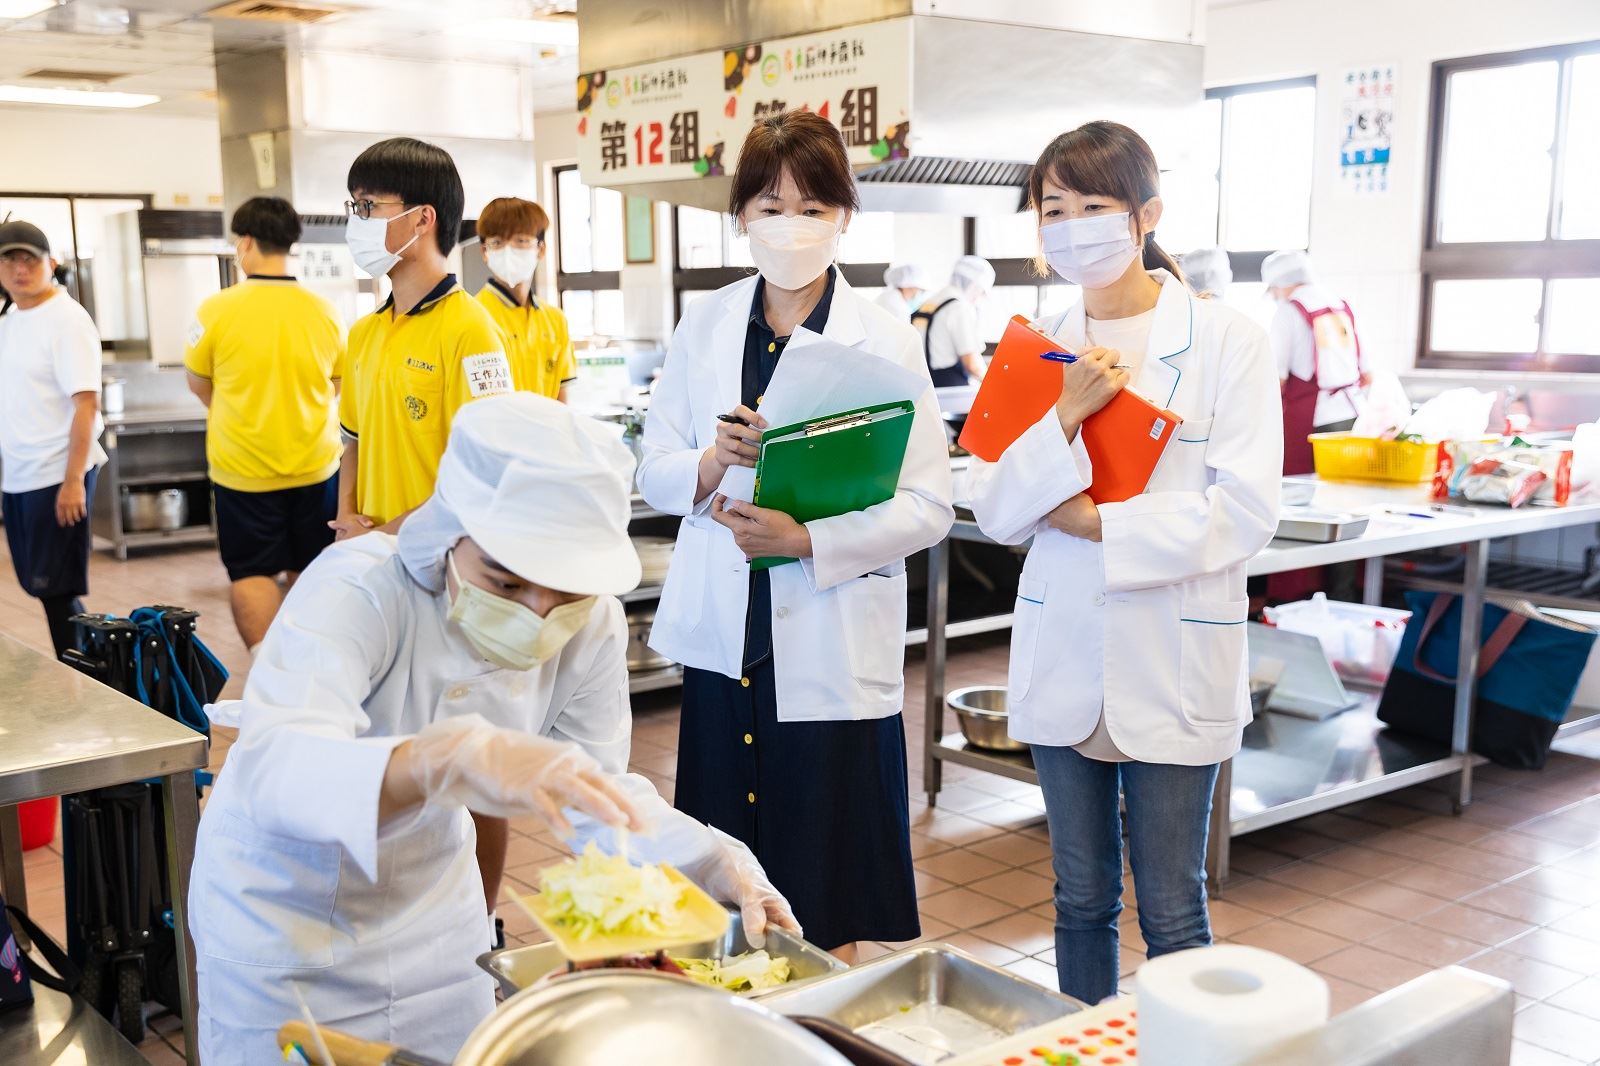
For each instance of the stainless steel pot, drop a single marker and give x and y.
(146, 510)
(981, 712)
(111, 396)
(637, 1016)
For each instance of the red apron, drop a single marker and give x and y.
(1300, 395)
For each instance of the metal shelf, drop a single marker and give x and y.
(1016, 765)
(186, 535)
(655, 680)
(965, 628)
(642, 594)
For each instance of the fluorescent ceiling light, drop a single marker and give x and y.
(552, 32)
(22, 9)
(28, 94)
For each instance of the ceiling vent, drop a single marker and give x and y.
(98, 77)
(273, 11)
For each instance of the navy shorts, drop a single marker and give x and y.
(263, 534)
(50, 561)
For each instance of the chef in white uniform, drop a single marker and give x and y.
(476, 661)
(904, 284)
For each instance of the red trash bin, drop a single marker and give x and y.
(38, 818)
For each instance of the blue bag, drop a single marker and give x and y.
(1529, 664)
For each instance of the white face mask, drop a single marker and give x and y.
(514, 266)
(792, 251)
(1092, 252)
(368, 241)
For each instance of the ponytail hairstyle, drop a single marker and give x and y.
(1103, 159)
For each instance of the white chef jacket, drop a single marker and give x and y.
(891, 301)
(953, 332)
(295, 880)
(839, 617)
(1148, 624)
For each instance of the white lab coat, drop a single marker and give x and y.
(295, 881)
(1149, 623)
(891, 301)
(838, 618)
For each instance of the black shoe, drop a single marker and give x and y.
(499, 935)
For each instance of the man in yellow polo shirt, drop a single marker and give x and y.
(262, 356)
(511, 233)
(429, 349)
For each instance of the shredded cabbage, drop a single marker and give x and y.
(737, 973)
(604, 894)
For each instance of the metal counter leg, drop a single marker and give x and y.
(13, 881)
(1372, 583)
(181, 816)
(1473, 582)
(933, 667)
(1219, 840)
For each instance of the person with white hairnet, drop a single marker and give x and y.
(1313, 335)
(1207, 270)
(948, 321)
(475, 661)
(903, 283)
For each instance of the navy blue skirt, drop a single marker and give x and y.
(822, 804)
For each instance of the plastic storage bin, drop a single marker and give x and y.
(38, 821)
(1346, 457)
(1360, 641)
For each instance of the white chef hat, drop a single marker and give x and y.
(905, 276)
(543, 491)
(1283, 269)
(1207, 269)
(972, 274)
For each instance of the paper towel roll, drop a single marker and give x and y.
(1217, 1006)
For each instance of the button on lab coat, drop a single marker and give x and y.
(295, 881)
(1149, 623)
(839, 618)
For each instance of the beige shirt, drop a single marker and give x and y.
(1131, 337)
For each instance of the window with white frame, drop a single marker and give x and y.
(588, 255)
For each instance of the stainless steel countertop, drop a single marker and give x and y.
(61, 731)
(58, 1030)
(144, 416)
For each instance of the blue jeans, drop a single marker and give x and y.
(1169, 812)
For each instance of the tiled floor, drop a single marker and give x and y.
(1369, 896)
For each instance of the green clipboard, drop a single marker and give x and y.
(832, 465)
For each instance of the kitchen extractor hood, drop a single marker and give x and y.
(985, 96)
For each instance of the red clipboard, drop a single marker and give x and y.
(1125, 439)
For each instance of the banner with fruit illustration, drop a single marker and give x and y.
(687, 117)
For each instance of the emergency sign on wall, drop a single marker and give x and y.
(687, 117)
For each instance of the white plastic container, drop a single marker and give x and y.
(1360, 641)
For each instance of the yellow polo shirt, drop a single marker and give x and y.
(270, 349)
(405, 376)
(537, 341)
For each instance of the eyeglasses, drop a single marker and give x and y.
(494, 244)
(363, 208)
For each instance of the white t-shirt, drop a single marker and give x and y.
(1294, 347)
(953, 331)
(47, 354)
(1130, 337)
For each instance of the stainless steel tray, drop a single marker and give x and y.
(518, 968)
(932, 974)
(1320, 527)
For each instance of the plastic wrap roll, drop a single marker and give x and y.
(1220, 1005)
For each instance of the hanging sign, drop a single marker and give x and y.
(687, 117)
(1366, 123)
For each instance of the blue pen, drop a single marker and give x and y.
(1069, 359)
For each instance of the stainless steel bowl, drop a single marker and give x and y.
(146, 510)
(519, 968)
(635, 1017)
(981, 713)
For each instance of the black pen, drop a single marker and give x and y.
(732, 420)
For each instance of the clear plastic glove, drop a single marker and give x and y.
(505, 773)
(731, 872)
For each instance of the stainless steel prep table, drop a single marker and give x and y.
(154, 447)
(1291, 768)
(63, 732)
(62, 1029)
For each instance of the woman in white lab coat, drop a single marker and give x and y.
(476, 662)
(1128, 659)
(791, 737)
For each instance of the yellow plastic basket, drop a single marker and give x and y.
(1346, 457)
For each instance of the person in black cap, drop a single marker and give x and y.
(49, 427)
